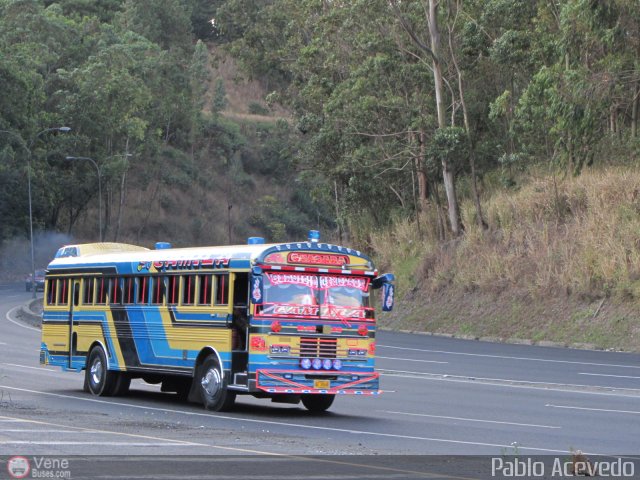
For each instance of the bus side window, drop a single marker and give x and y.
(102, 286)
(52, 290)
(241, 289)
(173, 289)
(88, 290)
(63, 291)
(143, 289)
(188, 289)
(205, 288)
(158, 290)
(115, 290)
(129, 290)
(76, 291)
(222, 289)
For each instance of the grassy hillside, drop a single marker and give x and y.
(560, 263)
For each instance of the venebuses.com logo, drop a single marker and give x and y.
(38, 467)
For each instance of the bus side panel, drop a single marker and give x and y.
(149, 337)
(55, 339)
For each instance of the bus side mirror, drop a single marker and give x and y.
(388, 290)
(378, 282)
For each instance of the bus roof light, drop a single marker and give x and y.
(255, 241)
(162, 245)
(314, 236)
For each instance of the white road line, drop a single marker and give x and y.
(32, 368)
(10, 314)
(30, 430)
(569, 407)
(410, 359)
(439, 377)
(508, 380)
(2, 343)
(294, 425)
(132, 435)
(473, 420)
(530, 359)
(12, 420)
(106, 444)
(605, 375)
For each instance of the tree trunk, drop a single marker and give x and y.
(447, 172)
(423, 185)
(107, 213)
(123, 186)
(123, 190)
(634, 111)
(471, 143)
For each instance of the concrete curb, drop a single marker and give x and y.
(512, 341)
(28, 314)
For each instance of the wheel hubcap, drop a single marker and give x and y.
(211, 382)
(96, 372)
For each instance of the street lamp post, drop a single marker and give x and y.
(99, 189)
(28, 148)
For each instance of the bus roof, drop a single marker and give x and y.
(100, 255)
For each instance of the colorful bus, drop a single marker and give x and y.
(292, 322)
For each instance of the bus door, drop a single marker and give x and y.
(74, 301)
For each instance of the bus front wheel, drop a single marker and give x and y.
(213, 388)
(317, 403)
(98, 379)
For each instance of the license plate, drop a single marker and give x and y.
(321, 384)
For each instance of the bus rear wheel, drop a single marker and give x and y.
(317, 403)
(98, 379)
(213, 387)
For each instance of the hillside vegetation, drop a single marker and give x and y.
(561, 263)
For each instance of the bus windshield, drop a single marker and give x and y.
(326, 296)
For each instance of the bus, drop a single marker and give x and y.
(290, 322)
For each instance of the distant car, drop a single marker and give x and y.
(39, 282)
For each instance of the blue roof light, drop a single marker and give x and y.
(162, 245)
(255, 241)
(314, 236)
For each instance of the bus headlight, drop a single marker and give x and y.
(337, 364)
(305, 363)
(327, 364)
(317, 364)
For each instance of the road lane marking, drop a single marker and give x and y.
(31, 430)
(2, 343)
(605, 375)
(32, 368)
(109, 432)
(410, 359)
(10, 314)
(441, 377)
(569, 407)
(191, 444)
(506, 357)
(447, 376)
(472, 420)
(105, 444)
(287, 424)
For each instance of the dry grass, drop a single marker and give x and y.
(577, 239)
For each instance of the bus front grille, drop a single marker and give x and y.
(315, 347)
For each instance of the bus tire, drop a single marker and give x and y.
(99, 380)
(317, 402)
(213, 387)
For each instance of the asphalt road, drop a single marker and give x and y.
(442, 396)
